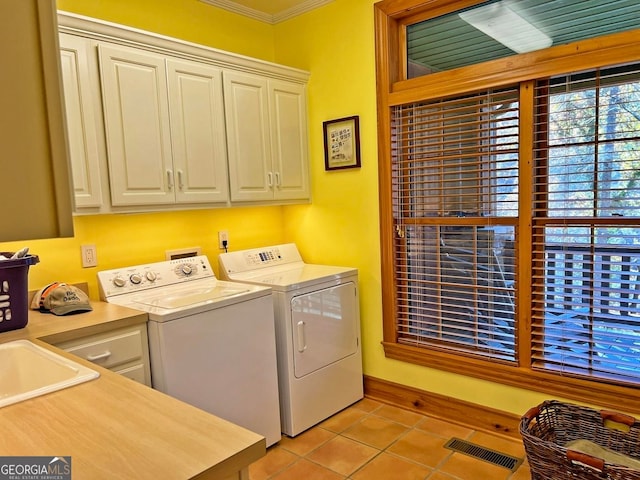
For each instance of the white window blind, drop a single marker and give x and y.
(586, 236)
(455, 201)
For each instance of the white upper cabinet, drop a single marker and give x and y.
(136, 114)
(247, 115)
(82, 127)
(289, 143)
(196, 111)
(157, 123)
(164, 123)
(267, 138)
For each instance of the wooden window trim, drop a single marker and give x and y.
(391, 18)
(596, 393)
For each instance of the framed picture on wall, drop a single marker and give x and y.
(341, 143)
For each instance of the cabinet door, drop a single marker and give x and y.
(136, 115)
(76, 53)
(197, 131)
(35, 195)
(246, 103)
(123, 350)
(289, 140)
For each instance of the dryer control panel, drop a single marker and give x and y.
(153, 275)
(257, 258)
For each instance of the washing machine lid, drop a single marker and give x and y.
(168, 303)
(294, 276)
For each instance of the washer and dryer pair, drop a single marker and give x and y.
(317, 323)
(277, 353)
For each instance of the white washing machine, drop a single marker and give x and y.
(317, 330)
(211, 343)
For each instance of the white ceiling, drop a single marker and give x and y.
(269, 11)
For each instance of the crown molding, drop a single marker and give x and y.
(240, 10)
(299, 10)
(287, 14)
(103, 31)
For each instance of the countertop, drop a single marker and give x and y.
(114, 427)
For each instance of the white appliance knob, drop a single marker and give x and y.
(135, 278)
(151, 276)
(186, 269)
(119, 282)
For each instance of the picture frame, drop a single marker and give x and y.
(342, 143)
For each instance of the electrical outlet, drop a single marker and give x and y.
(89, 256)
(223, 236)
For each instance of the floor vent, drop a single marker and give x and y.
(482, 453)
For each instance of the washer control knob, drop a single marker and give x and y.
(136, 278)
(151, 276)
(119, 281)
(186, 269)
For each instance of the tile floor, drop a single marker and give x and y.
(374, 441)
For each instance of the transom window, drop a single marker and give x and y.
(500, 28)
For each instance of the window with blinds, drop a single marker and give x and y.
(586, 225)
(455, 205)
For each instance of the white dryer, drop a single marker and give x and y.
(317, 319)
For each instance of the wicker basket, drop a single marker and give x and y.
(545, 430)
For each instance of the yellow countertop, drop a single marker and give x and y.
(114, 427)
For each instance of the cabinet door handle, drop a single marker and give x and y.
(99, 356)
(180, 183)
(169, 179)
(270, 179)
(278, 179)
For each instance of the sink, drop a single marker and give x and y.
(28, 370)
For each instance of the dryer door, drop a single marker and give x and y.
(324, 326)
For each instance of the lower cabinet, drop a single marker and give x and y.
(241, 475)
(124, 351)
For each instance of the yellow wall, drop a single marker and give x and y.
(336, 44)
(143, 238)
(190, 20)
(132, 239)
